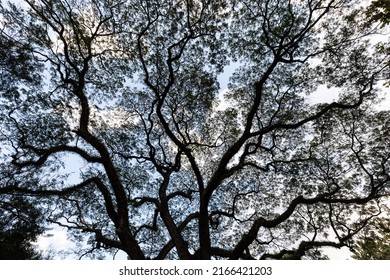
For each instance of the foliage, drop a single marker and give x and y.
(374, 244)
(379, 11)
(20, 227)
(131, 90)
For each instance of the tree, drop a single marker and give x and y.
(131, 90)
(374, 244)
(20, 220)
(379, 11)
(17, 65)
(20, 227)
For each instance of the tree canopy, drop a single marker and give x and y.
(374, 242)
(171, 165)
(20, 225)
